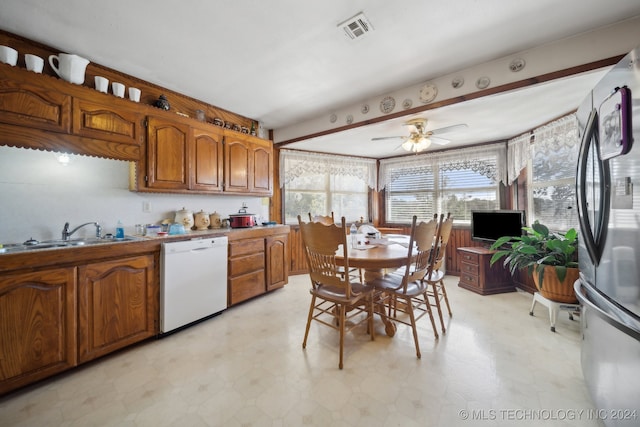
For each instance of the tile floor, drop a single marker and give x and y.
(495, 366)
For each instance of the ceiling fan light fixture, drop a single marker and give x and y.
(422, 144)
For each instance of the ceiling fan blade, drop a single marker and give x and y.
(439, 141)
(449, 129)
(387, 137)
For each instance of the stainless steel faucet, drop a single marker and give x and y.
(66, 234)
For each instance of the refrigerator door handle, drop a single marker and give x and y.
(581, 188)
(607, 309)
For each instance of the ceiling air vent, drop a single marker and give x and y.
(356, 27)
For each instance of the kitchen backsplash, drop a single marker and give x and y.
(38, 195)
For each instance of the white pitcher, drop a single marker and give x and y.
(70, 67)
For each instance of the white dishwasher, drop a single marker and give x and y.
(193, 281)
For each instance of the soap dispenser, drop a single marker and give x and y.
(119, 230)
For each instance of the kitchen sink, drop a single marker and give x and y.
(57, 244)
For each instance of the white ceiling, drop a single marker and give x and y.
(286, 61)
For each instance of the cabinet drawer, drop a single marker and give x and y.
(470, 268)
(246, 286)
(243, 247)
(246, 264)
(470, 258)
(470, 279)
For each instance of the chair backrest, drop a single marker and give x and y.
(442, 239)
(420, 246)
(321, 243)
(324, 219)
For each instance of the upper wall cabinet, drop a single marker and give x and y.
(206, 170)
(180, 157)
(248, 164)
(168, 154)
(34, 107)
(121, 124)
(172, 153)
(42, 112)
(186, 156)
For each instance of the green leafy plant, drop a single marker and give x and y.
(538, 246)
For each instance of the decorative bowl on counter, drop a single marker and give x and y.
(176, 229)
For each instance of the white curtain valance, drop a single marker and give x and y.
(557, 135)
(294, 164)
(518, 155)
(464, 158)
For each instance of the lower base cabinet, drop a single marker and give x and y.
(256, 266)
(37, 326)
(117, 305)
(54, 319)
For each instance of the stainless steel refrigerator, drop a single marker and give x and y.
(608, 193)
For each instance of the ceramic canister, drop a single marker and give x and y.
(185, 217)
(215, 220)
(202, 220)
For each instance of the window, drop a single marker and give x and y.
(552, 174)
(322, 183)
(455, 181)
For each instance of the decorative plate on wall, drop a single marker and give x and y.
(387, 104)
(349, 119)
(517, 65)
(483, 82)
(407, 103)
(364, 109)
(333, 118)
(457, 82)
(428, 92)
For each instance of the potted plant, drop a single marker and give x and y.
(549, 257)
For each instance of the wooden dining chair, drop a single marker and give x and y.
(404, 292)
(355, 273)
(324, 219)
(333, 294)
(435, 277)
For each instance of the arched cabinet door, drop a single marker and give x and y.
(168, 154)
(248, 164)
(207, 165)
(117, 305)
(38, 314)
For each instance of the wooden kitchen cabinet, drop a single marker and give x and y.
(117, 305)
(108, 121)
(246, 270)
(168, 153)
(181, 157)
(479, 276)
(32, 106)
(257, 264)
(207, 170)
(37, 325)
(45, 113)
(277, 261)
(248, 164)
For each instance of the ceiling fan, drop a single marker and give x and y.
(420, 139)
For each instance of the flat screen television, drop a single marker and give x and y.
(488, 226)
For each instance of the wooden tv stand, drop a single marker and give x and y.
(477, 275)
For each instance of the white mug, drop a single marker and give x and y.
(8, 55)
(102, 84)
(118, 89)
(134, 94)
(34, 63)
